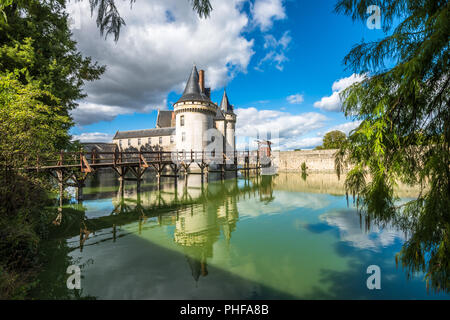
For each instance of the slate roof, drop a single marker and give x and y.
(164, 119)
(192, 91)
(219, 115)
(158, 132)
(99, 146)
(225, 104)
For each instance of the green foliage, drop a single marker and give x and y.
(41, 77)
(303, 167)
(405, 128)
(36, 37)
(27, 125)
(334, 139)
(23, 222)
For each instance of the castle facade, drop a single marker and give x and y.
(196, 123)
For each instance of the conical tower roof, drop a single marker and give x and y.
(192, 91)
(225, 104)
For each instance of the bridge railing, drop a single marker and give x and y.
(82, 158)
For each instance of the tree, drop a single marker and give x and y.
(41, 77)
(334, 139)
(27, 125)
(405, 128)
(39, 29)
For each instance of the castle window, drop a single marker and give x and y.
(182, 121)
(171, 139)
(129, 142)
(120, 143)
(160, 140)
(139, 141)
(149, 140)
(183, 136)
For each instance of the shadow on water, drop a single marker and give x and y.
(153, 272)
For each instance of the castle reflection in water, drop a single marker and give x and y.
(200, 212)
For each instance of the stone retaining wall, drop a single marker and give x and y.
(316, 160)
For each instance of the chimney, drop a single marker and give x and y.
(201, 80)
(172, 121)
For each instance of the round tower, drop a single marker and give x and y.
(230, 124)
(194, 114)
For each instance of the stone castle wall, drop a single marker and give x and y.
(316, 160)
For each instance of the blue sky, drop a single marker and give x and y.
(280, 60)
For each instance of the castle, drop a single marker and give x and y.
(196, 123)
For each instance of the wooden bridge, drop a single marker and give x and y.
(72, 168)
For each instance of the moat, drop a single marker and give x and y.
(267, 237)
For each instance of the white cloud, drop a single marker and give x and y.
(295, 98)
(276, 51)
(87, 113)
(287, 131)
(282, 202)
(93, 137)
(271, 42)
(265, 12)
(344, 83)
(333, 102)
(351, 231)
(155, 53)
(303, 143)
(346, 127)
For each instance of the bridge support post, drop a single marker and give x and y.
(79, 193)
(175, 168)
(121, 188)
(79, 185)
(60, 176)
(158, 178)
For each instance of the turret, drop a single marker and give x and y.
(194, 114)
(230, 123)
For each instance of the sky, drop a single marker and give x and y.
(281, 62)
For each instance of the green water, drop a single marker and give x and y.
(280, 237)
